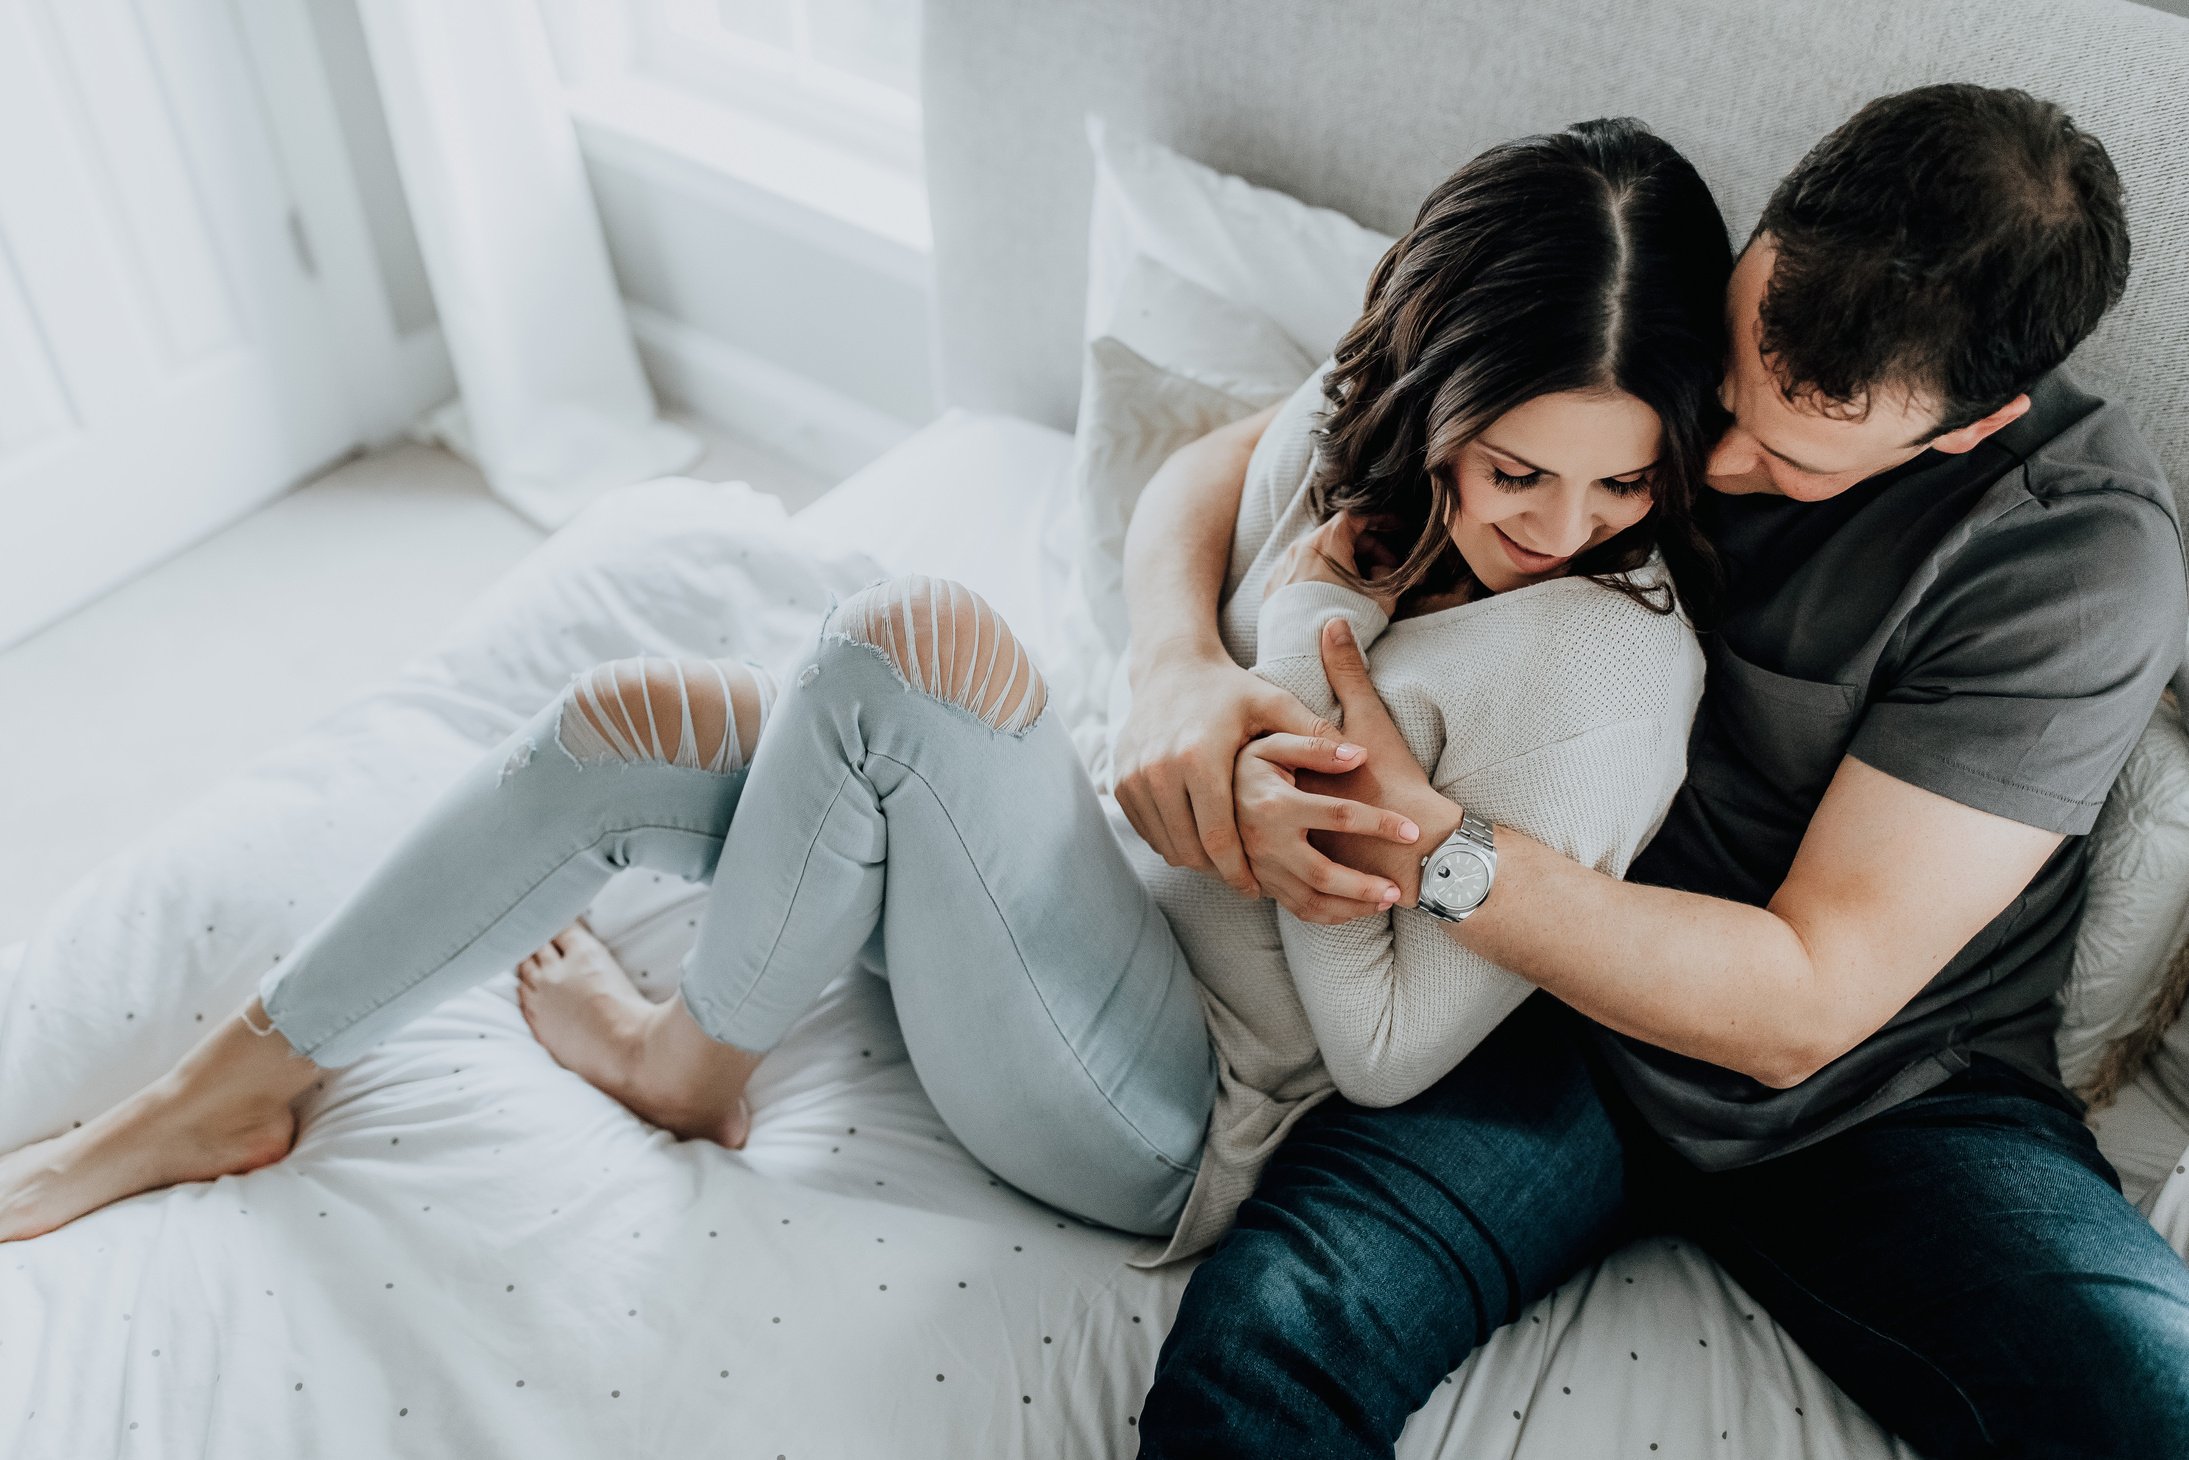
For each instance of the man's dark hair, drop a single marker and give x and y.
(1956, 241)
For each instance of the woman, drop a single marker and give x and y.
(1490, 482)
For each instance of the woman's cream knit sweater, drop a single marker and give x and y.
(1560, 709)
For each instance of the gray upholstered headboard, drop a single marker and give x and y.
(1361, 105)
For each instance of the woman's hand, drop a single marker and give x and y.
(1319, 557)
(1173, 757)
(1388, 777)
(1322, 864)
(1280, 819)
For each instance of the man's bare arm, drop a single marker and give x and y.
(1890, 882)
(1178, 545)
(1192, 706)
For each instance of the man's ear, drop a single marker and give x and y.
(1953, 443)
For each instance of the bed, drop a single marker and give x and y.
(472, 1252)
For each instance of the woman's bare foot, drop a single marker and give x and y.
(225, 1108)
(652, 1057)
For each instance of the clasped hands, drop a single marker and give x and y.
(1222, 771)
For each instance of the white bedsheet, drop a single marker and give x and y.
(473, 1253)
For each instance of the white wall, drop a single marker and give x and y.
(750, 284)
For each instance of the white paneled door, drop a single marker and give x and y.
(165, 361)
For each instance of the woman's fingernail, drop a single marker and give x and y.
(1408, 830)
(1348, 752)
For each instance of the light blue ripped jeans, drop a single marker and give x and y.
(905, 791)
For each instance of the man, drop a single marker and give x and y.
(1814, 1029)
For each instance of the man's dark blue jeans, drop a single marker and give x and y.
(1964, 1264)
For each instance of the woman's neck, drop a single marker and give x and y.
(1435, 599)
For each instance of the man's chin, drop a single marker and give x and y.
(1750, 485)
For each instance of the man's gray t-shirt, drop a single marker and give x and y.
(1995, 627)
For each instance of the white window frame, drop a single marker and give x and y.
(833, 155)
(675, 41)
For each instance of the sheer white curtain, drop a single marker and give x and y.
(554, 406)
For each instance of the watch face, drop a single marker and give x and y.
(1461, 881)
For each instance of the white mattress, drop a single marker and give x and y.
(473, 1253)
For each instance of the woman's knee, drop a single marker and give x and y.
(704, 714)
(948, 642)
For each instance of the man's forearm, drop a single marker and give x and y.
(1715, 980)
(1179, 545)
(1890, 882)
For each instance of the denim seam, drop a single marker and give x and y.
(1123, 1119)
(805, 864)
(348, 1020)
(1976, 1416)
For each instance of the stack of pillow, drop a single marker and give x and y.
(1208, 298)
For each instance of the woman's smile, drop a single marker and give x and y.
(1527, 560)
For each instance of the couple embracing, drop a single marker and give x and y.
(1610, 753)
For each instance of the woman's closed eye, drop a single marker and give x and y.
(1627, 486)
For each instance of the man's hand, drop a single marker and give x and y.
(1190, 715)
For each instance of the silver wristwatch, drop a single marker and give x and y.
(1456, 877)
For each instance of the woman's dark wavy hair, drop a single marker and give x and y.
(1583, 260)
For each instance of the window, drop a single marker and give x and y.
(758, 104)
(845, 70)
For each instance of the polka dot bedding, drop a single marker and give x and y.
(472, 1252)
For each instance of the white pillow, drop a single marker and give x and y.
(2136, 916)
(1170, 363)
(1207, 298)
(1305, 268)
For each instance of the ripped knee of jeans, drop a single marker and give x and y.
(702, 714)
(947, 642)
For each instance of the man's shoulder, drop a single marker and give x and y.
(2082, 444)
(2083, 507)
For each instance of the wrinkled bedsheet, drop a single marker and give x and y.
(471, 1252)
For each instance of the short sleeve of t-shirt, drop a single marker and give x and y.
(2026, 674)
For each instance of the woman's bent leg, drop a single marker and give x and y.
(909, 781)
(645, 768)
(637, 762)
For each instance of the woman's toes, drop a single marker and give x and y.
(736, 1126)
(579, 937)
(584, 1010)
